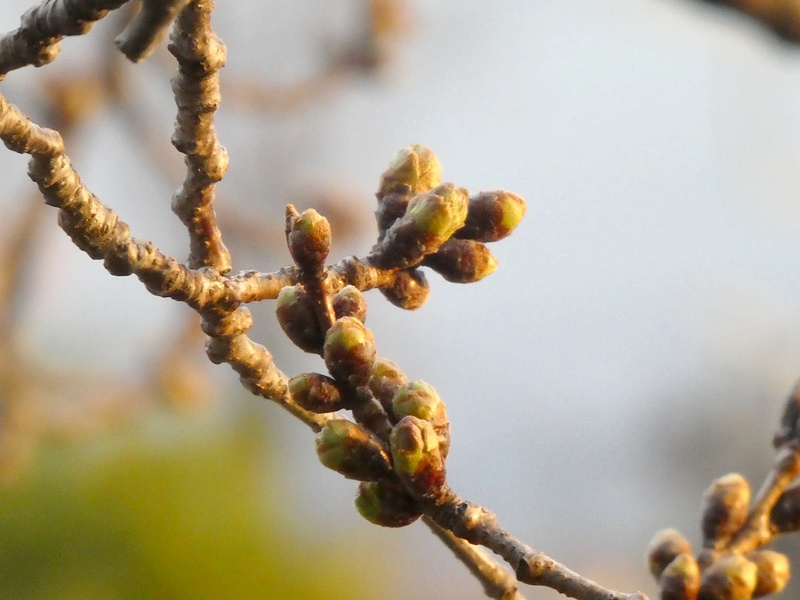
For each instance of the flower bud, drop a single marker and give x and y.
(786, 512)
(409, 290)
(419, 399)
(349, 352)
(492, 216)
(298, 320)
(663, 548)
(350, 302)
(724, 509)
(346, 448)
(417, 459)
(773, 571)
(309, 238)
(316, 392)
(732, 577)
(415, 168)
(385, 504)
(680, 580)
(462, 261)
(430, 220)
(386, 378)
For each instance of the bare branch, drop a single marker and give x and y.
(200, 54)
(42, 27)
(143, 34)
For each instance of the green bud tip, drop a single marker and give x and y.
(492, 216)
(462, 261)
(350, 302)
(417, 399)
(315, 392)
(439, 213)
(349, 351)
(413, 441)
(297, 319)
(415, 167)
(308, 236)
(344, 447)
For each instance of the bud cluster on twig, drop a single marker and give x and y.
(733, 563)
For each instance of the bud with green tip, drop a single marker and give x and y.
(724, 509)
(462, 261)
(663, 548)
(417, 458)
(732, 577)
(785, 514)
(349, 352)
(419, 399)
(409, 290)
(492, 216)
(316, 393)
(414, 168)
(680, 580)
(773, 571)
(347, 448)
(309, 238)
(298, 320)
(386, 504)
(350, 302)
(386, 378)
(430, 220)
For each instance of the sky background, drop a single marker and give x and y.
(643, 327)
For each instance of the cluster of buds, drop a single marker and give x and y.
(717, 573)
(424, 222)
(399, 470)
(399, 436)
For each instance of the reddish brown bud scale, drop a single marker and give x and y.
(348, 449)
(724, 510)
(349, 352)
(350, 302)
(663, 548)
(316, 392)
(409, 291)
(298, 320)
(417, 458)
(391, 208)
(492, 216)
(386, 504)
(462, 261)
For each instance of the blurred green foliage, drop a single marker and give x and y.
(174, 508)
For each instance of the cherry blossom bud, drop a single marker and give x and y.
(298, 320)
(732, 577)
(347, 448)
(492, 216)
(350, 302)
(786, 512)
(663, 548)
(316, 392)
(409, 290)
(773, 571)
(385, 504)
(724, 509)
(386, 378)
(349, 352)
(417, 459)
(680, 580)
(462, 261)
(414, 168)
(309, 238)
(419, 399)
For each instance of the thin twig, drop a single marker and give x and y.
(143, 34)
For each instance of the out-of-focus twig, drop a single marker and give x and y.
(781, 16)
